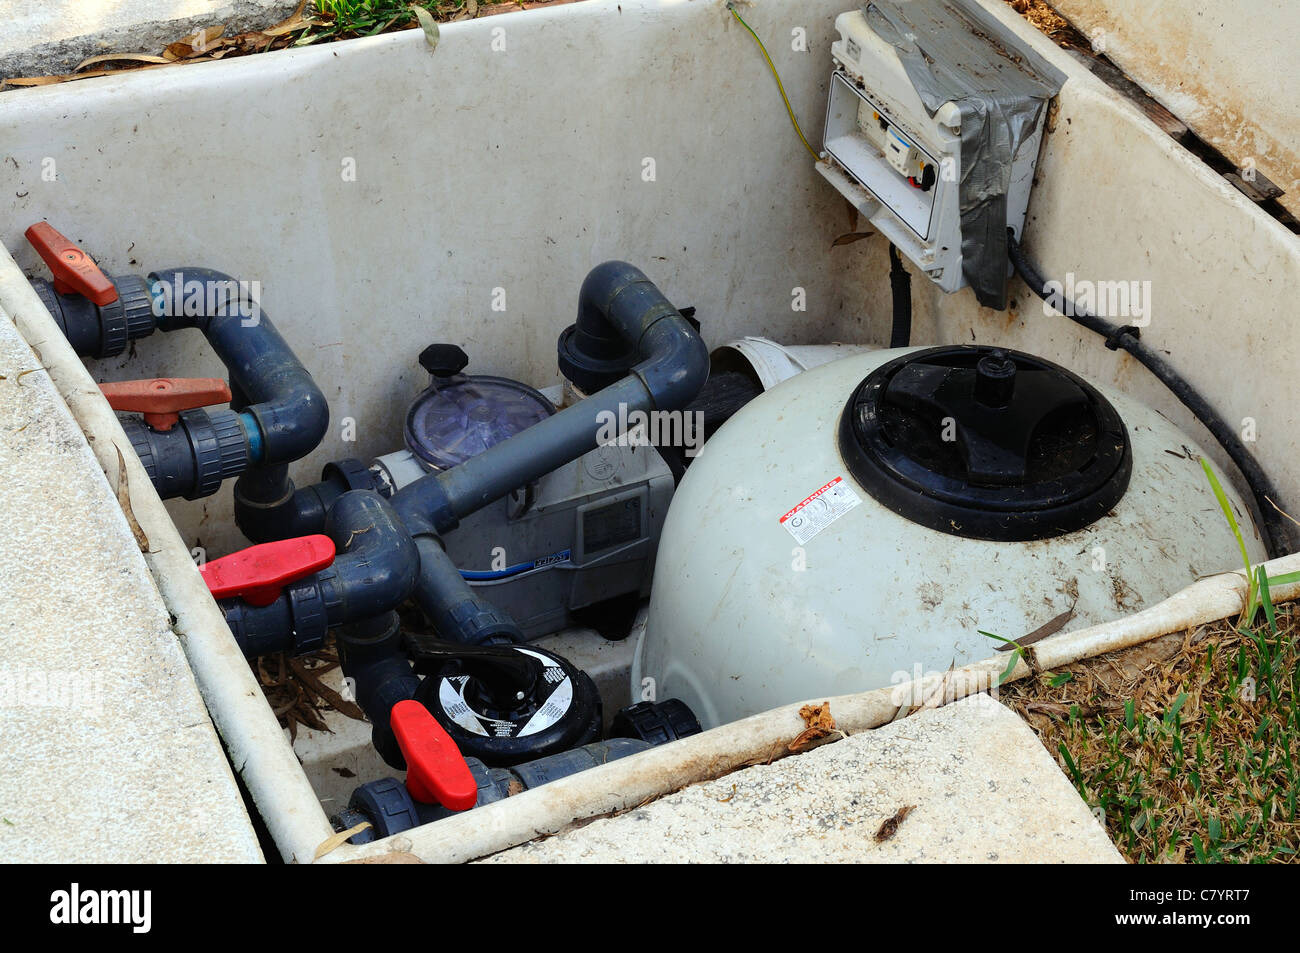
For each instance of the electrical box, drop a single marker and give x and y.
(899, 158)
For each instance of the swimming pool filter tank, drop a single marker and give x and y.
(862, 523)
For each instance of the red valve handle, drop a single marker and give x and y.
(74, 271)
(161, 399)
(259, 573)
(436, 773)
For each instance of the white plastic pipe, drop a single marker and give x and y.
(626, 783)
(258, 748)
(773, 362)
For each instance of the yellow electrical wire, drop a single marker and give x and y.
(785, 99)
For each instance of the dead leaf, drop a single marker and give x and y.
(428, 25)
(196, 44)
(1051, 627)
(890, 827)
(28, 81)
(286, 25)
(291, 25)
(124, 501)
(335, 700)
(118, 58)
(848, 238)
(204, 38)
(250, 42)
(819, 722)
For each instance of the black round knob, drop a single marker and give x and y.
(995, 379)
(443, 360)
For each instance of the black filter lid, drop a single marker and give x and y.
(986, 443)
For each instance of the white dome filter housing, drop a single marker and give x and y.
(860, 523)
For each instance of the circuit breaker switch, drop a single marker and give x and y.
(902, 155)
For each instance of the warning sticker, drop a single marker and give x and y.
(820, 509)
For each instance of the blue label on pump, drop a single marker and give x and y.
(543, 562)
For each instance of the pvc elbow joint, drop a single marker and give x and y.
(677, 362)
(373, 573)
(625, 324)
(378, 568)
(271, 386)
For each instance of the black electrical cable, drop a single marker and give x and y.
(900, 285)
(1279, 533)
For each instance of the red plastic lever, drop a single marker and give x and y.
(436, 773)
(259, 573)
(74, 271)
(161, 399)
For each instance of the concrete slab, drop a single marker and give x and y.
(43, 37)
(109, 755)
(983, 789)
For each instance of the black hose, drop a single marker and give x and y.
(900, 286)
(1279, 533)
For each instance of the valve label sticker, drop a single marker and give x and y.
(819, 509)
(555, 695)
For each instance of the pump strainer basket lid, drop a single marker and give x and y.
(456, 419)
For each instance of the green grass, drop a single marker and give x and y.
(348, 19)
(1188, 747)
(1194, 757)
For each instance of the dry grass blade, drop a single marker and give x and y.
(336, 841)
(124, 501)
(29, 81)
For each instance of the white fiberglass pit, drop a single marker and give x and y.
(444, 234)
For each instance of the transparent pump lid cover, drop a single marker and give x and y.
(459, 418)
